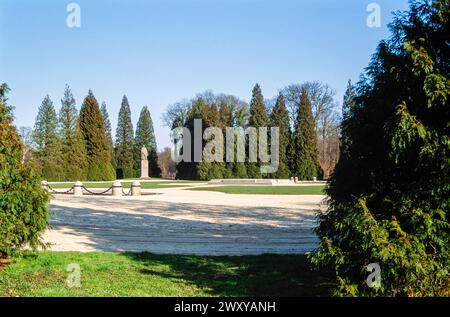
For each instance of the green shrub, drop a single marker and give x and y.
(23, 204)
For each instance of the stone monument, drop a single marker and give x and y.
(144, 162)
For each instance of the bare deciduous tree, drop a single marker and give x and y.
(27, 140)
(166, 164)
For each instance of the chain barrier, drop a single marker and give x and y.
(52, 190)
(96, 193)
(57, 192)
(126, 194)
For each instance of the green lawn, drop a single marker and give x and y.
(266, 190)
(144, 274)
(127, 184)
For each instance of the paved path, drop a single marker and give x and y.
(174, 220)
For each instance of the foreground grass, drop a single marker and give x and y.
(144, 274)
(266, 190)
(127, 184)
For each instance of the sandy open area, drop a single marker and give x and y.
(175, 220)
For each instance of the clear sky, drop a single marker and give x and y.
(160, 52)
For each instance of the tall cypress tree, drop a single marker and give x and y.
(305, 162)
(258, 118)
(73, 151)
(24, 205)
(349, 100)
(106, 122)
(145, 136)
(124, 141)
(45, 135)
(348, 107)
(280, 118)
(96, 141)
(108, 131)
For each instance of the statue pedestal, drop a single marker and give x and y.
(144, 169)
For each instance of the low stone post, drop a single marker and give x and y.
(136, 189)
(314, 179)
(44, 185)
(78, 189)
(296, 179)
(117, 188)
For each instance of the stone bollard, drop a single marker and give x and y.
(44, 185)
(117, 188)
(78, 189)
(136, 189)
(296, 179)
(314, 179)
(291, 179)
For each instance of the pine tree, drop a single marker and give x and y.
(73, 154)
(24, 205)
(106, 122)
(280, 118)
(348, 107)
(305, 164)
(145, 136)
(95, 140)
(45, 135)
(390, 193)
(349, 100)
(258, 118)
(124, 142)
(108, 130)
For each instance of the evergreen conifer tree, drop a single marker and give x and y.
(258, 118)
(96, 142)
(24, 204)
(145, 136)
(349, 100)
(280, 118)
(108, 130)
(305, 161)
(73, 151)
(390, 193)
(124, 142)
(45, 135)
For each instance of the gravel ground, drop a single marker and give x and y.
(179, 221)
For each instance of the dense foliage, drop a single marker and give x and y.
(23, 204)
(280, 118)
(390, 193)
(124, 142)
(96, 142)
(219, 111)
(73, 151)
(258, 118)
(48, 143)
(108, 131)
(304, 155)
(145, 136)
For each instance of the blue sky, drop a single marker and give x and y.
(159, 52)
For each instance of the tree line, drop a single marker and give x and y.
(305, 114)
(72, 145)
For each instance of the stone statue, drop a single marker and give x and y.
(144, 162)
(144, 154)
